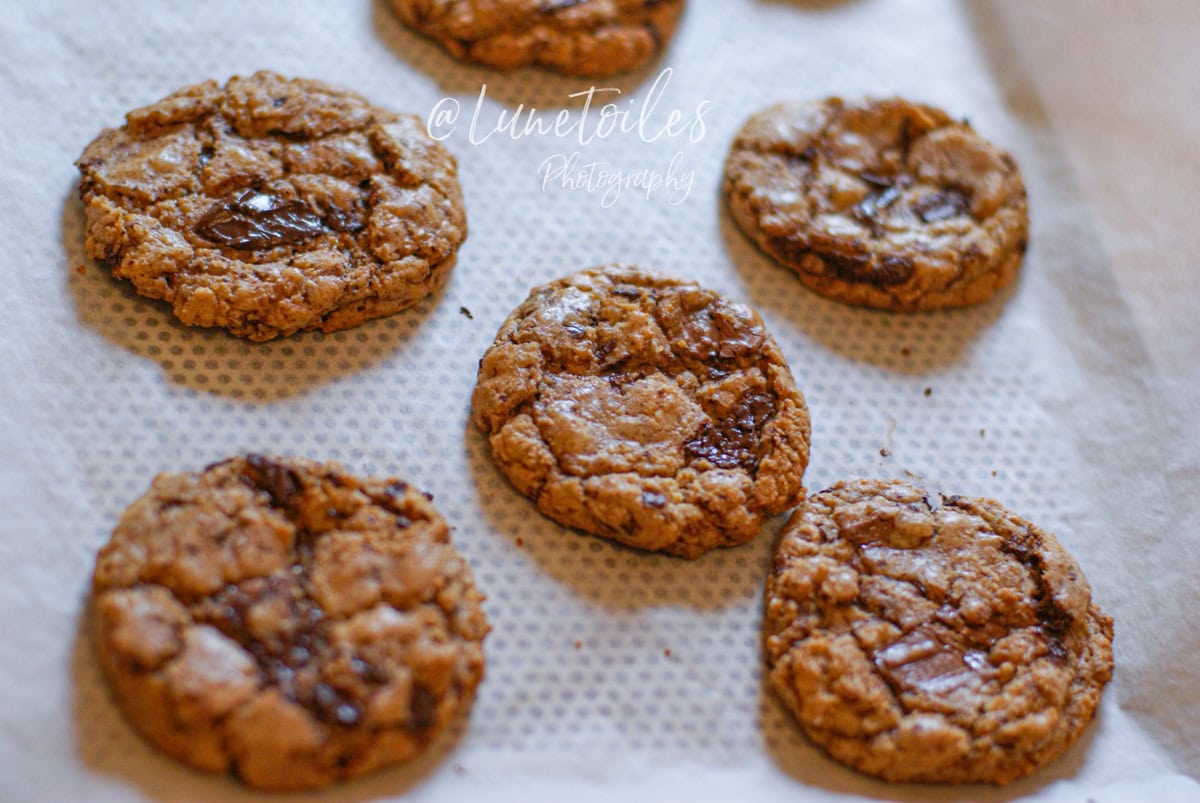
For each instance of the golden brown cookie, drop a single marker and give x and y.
(270, 206)
(644, 409)
(576, 37)
(287, 622)
(948, 643)
(881, 203)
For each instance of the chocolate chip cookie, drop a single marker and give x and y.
(576, 37)
(644, 409)
(287, 622)
(881, 203)
(270, 206)
(918, 641)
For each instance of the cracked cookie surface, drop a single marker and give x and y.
(576, 37)
(644, 409)
(881, 203)
(952, 644)
(273, 205)
(287, 622)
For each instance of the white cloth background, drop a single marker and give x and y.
(1072, 398)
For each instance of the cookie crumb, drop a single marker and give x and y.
(466, 312)
(982, 432)
(885, 452)
(993, 472)
(520, 541)
(667, 652)
(928, 392)
(579, 645)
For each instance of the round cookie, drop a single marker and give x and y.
(576, 37)
(287, 622)
(882, 203)
(270, 206)
(644, 409)
(953, 644)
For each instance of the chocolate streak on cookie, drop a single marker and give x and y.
(277, 481)
(253, 220)
(1055, 622)
(942, 205)
(287, 658)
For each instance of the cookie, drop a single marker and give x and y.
(284, 621)
(576, 37)
(882, 203)
(270, 206)
(644, 409)
(950, 643)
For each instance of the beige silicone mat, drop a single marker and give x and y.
(612, 674)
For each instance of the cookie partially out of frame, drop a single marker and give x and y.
(879, 203)
(576, 37)
(644, 409)
(270, 206)
(955, 644)
(287, 622)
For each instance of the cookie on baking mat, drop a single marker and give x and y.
(576, 37)
(879, 203)
(644, 409)
(285, 621)
(270, 206)
(954, 643)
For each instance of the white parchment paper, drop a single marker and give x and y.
(612, 674)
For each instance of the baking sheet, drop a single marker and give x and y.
(612, 674)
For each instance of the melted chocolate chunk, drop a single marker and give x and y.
(286, 656)
(878, 180)
(931, 661)
(344, 221)
(279, 482)
(790, 248)
(860, 268)
(422, 708)
(733, 441)
(252, 220)
(715, 335)
(868, 210)
(942, 206)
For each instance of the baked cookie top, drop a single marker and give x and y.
(273, 205)
(880, 203)
(285, 621)
(576, 37)
(919, 642)
(645, 409)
